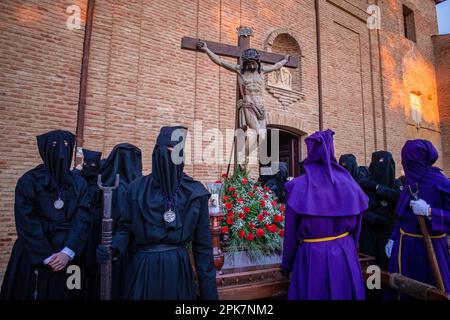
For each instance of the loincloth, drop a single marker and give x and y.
(258, 111)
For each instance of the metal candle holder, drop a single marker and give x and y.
(215, 211)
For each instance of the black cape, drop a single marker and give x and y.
(41, 228)
(383, 191)
(167, 274)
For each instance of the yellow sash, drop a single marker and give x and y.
(326, 239)
(412, 235)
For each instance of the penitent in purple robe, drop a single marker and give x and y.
(409, 256)
(324, 202)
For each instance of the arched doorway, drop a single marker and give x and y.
(290, 146)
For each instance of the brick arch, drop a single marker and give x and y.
(290, 123)
(268, 43)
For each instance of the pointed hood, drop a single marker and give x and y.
(167, 186)
(56, 150)
(91, 165)
(126, 160)
(326, 188)
(418, 157)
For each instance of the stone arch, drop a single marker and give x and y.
(290, 123)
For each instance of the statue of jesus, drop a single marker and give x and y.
(252, 113)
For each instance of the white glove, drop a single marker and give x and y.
(388, 247)
(420, 207)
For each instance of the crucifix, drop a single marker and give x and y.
(250, 111)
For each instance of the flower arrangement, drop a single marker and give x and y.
(253, 219)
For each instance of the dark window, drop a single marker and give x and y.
(408, 23)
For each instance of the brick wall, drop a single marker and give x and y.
(442, 54)
(140, 79)
(39, 76)
(408, 67)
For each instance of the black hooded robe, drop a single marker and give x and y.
(161, 268)
(44, 230)
(126, 160)
(379, 219)
(91, 168)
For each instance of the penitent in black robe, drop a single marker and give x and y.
(277, 181)
(91, 168)
(348, 161)
(379, 219)
(42, 229)
(126, 160)
(161, 269)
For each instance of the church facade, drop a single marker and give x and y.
(371, 70)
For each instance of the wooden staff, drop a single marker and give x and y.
(428, 245)
(107, 223)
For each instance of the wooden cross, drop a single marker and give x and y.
(221, 49)
(244, 34)
(227, 50)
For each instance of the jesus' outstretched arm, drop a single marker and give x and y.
(276, 66)
(216, 59)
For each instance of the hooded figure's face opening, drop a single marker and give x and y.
(66, 143)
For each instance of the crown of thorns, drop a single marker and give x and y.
(251, 54)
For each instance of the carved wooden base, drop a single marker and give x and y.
(260, 282)
(252, 283)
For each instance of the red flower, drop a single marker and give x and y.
(225, 229)
(225, 198)
(267, 226)
(266, 196)
(235, 195)
(244, 180)
(251, 225)
(246, 209)
(266, 188)
(224, 175)
(262, 203)
(281, 233)
(274, 202)
(220, 218)
(251, 194)
(250, 237)
(260, 217)
(265, 213)
(277, 218)
(273, 228)
(231, 189)
(240, 200)
(260, 233)
(282, 208)
(218, 181)
(241, 216)
(228, 206)
(230, 214)
(241, 234)
(255, 187)
(229, 220)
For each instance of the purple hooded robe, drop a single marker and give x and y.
(409, 256)
(324, 202)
